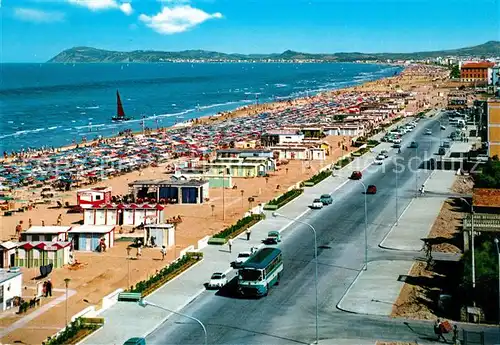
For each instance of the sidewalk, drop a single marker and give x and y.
(375, 290)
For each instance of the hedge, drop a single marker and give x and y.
(318, 178)
(283, 199)
(146, 287)
(74, 332)
(236, 229)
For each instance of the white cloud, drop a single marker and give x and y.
(98, 5)
(38, 16)
(177, 19)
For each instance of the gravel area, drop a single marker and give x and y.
(446, 231)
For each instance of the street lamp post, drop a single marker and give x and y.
(397, 186)
(223, 194)
(498, 253)
(144, 303)
(66, 284)
(128, 266)
(276, 214)
(366, 227)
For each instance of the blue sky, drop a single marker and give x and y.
(36, 30)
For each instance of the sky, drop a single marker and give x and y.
(37, 30)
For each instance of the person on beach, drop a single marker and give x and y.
(19, 229)
(139, 252)
(59, 220)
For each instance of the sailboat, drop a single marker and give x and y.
(120, 114)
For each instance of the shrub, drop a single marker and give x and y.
(241, 225)
(285, 198)
(68, 335)
(318, 178)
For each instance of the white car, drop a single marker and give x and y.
(443, 127)
(317, 204)
(217, 280)
(378, 161)
(381, 156)
(397, 141)
(428, 132)
(242, 257)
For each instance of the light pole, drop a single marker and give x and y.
(397, 186)
(144, 303)
(223, 194)
(128, 266)
(366, 227)
(276, 214)
(66, 283)
(473, 250)
(498, 253)
(416, 172)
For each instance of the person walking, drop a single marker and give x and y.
(438, 330)
(248, 232)
(454, 339)
(163, 252)
(139, 252)
(230, 244)
(49, 288)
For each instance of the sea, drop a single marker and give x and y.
(54, 105)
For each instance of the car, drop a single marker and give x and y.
(317, 204)
(482, 158)
(372, 189)
(273, 237)
(442, 127)
(413, 145)
(446, 144)
(242, 257)
(356, 175)
(135, 341)
(378, 161)
(428, 132)
(217, 280)
(397, 141)
(326, 199)
(385, 153)
(396, 145)
(441, 151)
(381, 156)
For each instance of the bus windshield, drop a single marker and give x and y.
(250, 275)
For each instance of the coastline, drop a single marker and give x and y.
(240, 111)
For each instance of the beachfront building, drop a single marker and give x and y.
(159, 235)
(241, 167)
(93, 196)
(8, 254)
(36, 253)
(245, 144)
(493, 132)
(173, 191)
(281, 136)
(476, 71)
(88, 237)
(124, 214)
(345, 130)
(11, 286)
(202, 172)
(457, 99)
(46, 233)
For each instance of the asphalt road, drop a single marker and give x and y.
(287, 314)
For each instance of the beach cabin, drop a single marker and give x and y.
(124, 214)
(7, 254)
(11, 286)
(46, 233)
(35, 254)
(173, 191)
(291, 152)
(281, 136)
(159, 235)
(88, 237)
(93, 196)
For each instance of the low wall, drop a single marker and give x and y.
(185, 250)
(87, 312)
(110, 300)
(203, 242)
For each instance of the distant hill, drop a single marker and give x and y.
(88, 54)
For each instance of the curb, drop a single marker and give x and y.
(381, 244)
(338, 305)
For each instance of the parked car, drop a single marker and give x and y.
(428, 132)
(396, 145)
(482, 158)
(242, 257)
(397, 141)
(385, 153)
(135, 341)
(381, 156)
(356, 175)
(217, 280)
(372, 189)
(443, 128)
(446, 144)
(317, 204)
(441, 151)
(378, 161)
(413, 145)
(273, 237)
(326, 199)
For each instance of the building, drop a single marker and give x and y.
(46, 233)
(281, 136)
(88, 237)
(159, 235)
(476, 71)
(173, 191)
(493, 127)
(11, 286)
(8, 254)
(36, 254)
(93, 196)
(124, 214)
(203, 173)
(241, 163)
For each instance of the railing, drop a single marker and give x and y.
(482, 222)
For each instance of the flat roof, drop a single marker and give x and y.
(172, 182)
(166, 226)
(5, 275)
(92, 229)
(262, 258)
(47, 229)
(8, 245)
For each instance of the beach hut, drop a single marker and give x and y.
(46, 233)
(11, 286)
(175, 190)
(159, 235)
(8, 254)
(93, 196)
(35, 254)
(123, 214)
(88, 237)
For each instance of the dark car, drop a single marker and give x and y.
(441, 151)
(413, 145)
(326, 199)
(356, 175)
(372, 189)
(396, 146)
(135, 341)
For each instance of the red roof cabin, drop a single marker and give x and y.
(93, 197)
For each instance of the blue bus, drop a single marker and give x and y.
(261, 271)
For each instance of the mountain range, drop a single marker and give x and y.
(89, 54)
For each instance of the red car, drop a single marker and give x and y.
(372, 189)
(356, 175)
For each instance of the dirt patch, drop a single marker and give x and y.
(445, 233)
(463, 185)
